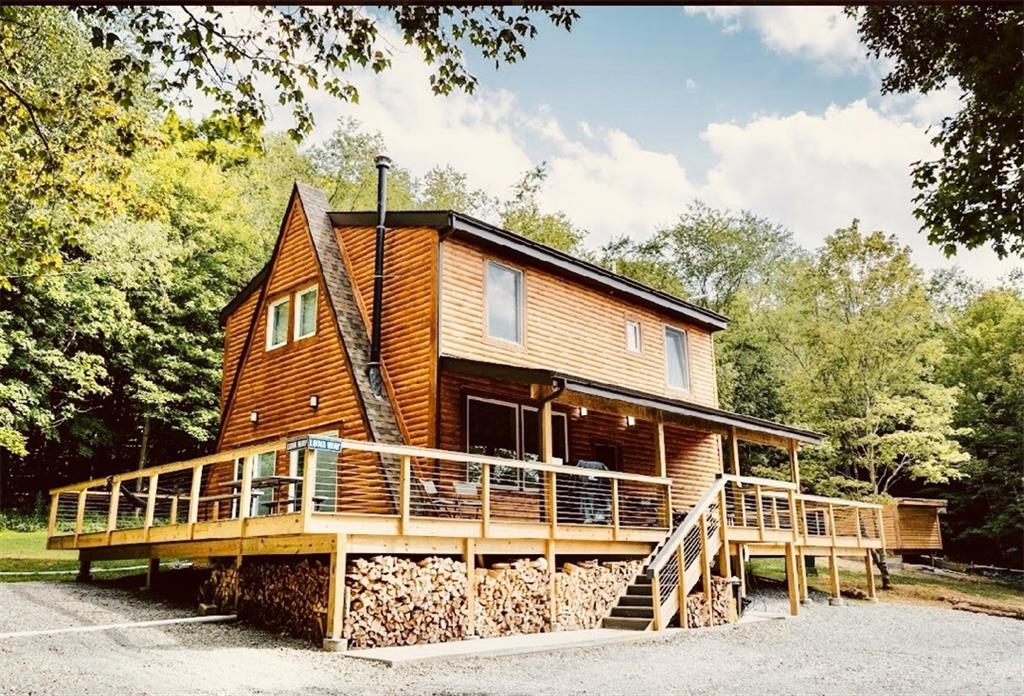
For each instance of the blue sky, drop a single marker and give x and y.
(641, 110)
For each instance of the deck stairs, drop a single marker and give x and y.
(661, 576)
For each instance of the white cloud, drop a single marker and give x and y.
(815, 173)
(822, 34)
(691, 84)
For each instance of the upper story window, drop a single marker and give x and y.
(504, 302)
(677, 370)
(634, 338)
(277, 323)
(305, 313)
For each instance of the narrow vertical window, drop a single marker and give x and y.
(633, 336)
(277, 323)
(504, 303)
(676, 370)
(305, 313)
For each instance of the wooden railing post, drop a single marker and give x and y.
(681, 589)
(793, 519)
(615, 509)
(485, 497)
(743, 503)
(403, 497)
(245, 495)
(309, 484)
(760, 510)
(775, 513)
(656, 601)
(705, 567)
(878, 526)
(80, 511)
(832, 523)
(724, 560)
(193, 494)
(150, 502)
(115, 496)
(51, 527)
(856, 512)
(668, 505)
(552, 503)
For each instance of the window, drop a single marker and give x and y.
(676, 359)
(531, 435)
(633, 337)
(504, 303)
(277, 323)
(262, 496)
(305, 313)
(296, 468)
(607, 454)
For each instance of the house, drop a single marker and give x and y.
(911, 525)
(440, 386)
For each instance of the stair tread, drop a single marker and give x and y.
(634, 601)
(633, 612)
(631, 624)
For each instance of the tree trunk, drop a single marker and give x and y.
(143, 451)
(883, 567)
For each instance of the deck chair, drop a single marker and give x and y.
(434, 502)
(467, 495)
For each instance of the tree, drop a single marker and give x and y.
(972, 195)
(445, 188)
(984, 361)
(522, 214)
(864, 356)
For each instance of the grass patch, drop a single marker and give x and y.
(913, 586)
(27, 552)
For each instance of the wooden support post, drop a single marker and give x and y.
(485, 498)
(738, 487)
(468, 557)
(681, 589)
(794, 463)
(705, 568)
(115, 500)
(660, 458)
(552, 503)
(656, 602)
(150, 503)
(803, 518)
(832, 524)
(801, 567)
(308, 485)
(869, 573)
(151, 571)
(84, 569)
(546, 439)
(334, 633)
(741, 570)
(775, 513)
(724, 562)
(80, 513)
(833, 576)
(760, 510)
(193, 496)
(734, 451)
(245, 499)
(51, 526)
(238, 580)
(856, 519)
(403, 494)
(881, 529)
(794, 520)
(791, 580)
(549, 555)
(615, 509)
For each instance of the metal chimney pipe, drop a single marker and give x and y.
(376, 383)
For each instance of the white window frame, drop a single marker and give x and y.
(630, 323)
(685, 358)
(311, 290)
(520, 303)
(269, 493)
(294, 464)
(270, 323)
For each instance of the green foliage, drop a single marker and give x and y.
(972, 195)
(985, 361)
(522, 214)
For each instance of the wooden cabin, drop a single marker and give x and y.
(911, 525)
(524, 403)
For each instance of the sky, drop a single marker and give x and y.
(639, 111)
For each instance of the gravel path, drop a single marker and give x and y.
(857, 649)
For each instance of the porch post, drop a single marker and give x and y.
(794, 464)
(659, 446)
(734, 451)
(792, 579)
(335, 628)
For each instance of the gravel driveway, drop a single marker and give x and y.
(857, 649)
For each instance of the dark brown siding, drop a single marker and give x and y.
(409, 327)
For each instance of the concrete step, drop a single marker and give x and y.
(639, 590)
(626, 623)
(633, 612)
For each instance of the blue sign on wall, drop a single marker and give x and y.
(319, 443)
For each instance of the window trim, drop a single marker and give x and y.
(520, 304)
(687, 376)
(270, 323)
(299, 294)
(639, 336)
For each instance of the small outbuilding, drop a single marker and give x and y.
(912, 525)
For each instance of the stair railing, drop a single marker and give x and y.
(687, 549)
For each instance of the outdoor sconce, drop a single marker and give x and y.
(254, 416)
(583, 412)
(314, 401)
(630, 421)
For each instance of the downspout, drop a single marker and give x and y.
(373, 368)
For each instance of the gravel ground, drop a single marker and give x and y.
(857, 649)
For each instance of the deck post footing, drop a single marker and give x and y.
(871, 600)
(335, 644)
(836, 601)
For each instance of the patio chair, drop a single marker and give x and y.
(434, 502)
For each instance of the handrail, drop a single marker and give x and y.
(754, 480)
(668, 550)
(838, 501)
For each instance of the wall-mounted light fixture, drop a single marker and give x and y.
(314, 401)
(254, 416)
(630, 421)
(583, 411)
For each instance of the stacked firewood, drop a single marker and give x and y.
(585, 593)
(285, 596)
(513, 598)
(395, 601)
(220, 587)
(721, 607)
